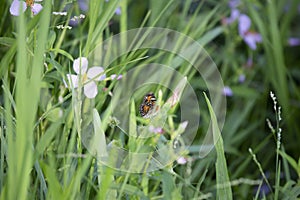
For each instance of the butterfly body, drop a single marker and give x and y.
(147, 104)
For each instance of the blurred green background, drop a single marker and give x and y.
(255, 46)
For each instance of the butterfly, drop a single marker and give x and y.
(147, 104)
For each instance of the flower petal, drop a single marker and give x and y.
(80, 65)
(36, 8)
(233, 3)
(15, 7)
(181, 160)
(96, 73)
(83, 5)
(113, 76)
(257, 37)
(242, 78)
(120, 77)
(90, 90)
(118, 11)
(293, 41)
(250, 42)
(233, 16)
(156, 130)
(244, 24)
(227, 91)
(251, 39)
(72, 81)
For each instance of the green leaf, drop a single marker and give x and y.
(62, 52)
(132, 128)
(292, 161)
(129, 189)
(47, 138)
(223, 182)
(55, 189)
(99, 138)
(54, 114)
(210, 35)
(7, 41)
(170, 191)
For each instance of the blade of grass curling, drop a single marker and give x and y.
(223, 182)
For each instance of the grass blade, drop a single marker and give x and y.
(223, 183)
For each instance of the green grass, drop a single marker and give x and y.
(57, 144)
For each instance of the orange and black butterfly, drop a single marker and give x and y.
(147, 104)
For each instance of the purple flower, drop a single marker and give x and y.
(293, 41)
(181, 160)
(244, 24)
(234, 12)
(153, 129)
(233, 3)
(120, 77)
(118, 11)
(113, 76)
(264, 190)
(242, 78)
(233, 16)
(16, 4)
(83, 5)
(227, 91)
(251, 38)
